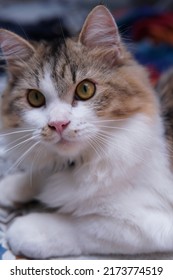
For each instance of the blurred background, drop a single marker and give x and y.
(146, 26)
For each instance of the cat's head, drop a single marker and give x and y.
(71, 92)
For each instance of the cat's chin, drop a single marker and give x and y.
(63, 147)
(66, 148)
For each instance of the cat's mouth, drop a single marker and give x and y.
(65, 143)
(67, 146)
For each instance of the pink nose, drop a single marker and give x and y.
(59, 126)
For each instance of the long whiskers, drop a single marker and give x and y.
(21, 143)
(18, 139)
(34, 159)
(109, 129)
(16, 132)
(109, 134)
(22, 157)
(107, 121)
(106, 139)
(93, 147)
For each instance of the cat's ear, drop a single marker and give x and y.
(15, 49)
(100, 30)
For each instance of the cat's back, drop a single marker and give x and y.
(165, 91)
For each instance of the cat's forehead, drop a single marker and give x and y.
(57, 60)
(58, 67)
(51, 70)
(46, 82)
(69, 60)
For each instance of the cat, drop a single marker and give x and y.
(84, 121)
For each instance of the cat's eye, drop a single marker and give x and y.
(85, 90)
(35, 98)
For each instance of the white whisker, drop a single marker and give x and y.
(93, 147)
(16, 132)
(109, 135)
(21, 143)
(35, 157)
(22, 157)
(17, 140)
(106, 140)
(105, 121)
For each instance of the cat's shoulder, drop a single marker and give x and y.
(164, 89)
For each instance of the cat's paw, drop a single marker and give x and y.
(41, 236)
(25, 240)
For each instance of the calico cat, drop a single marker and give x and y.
(85, 122)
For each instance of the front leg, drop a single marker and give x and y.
(18, 188)
(47, 235)
(43, 235)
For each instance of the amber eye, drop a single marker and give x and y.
(85, 90)
(35, 98)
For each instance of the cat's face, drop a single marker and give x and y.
(72, 93)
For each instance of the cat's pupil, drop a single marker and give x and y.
(36, 96)
(85, 88)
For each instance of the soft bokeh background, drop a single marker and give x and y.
(146, 26)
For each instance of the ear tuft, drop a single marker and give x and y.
(100, 30)
(15, 50)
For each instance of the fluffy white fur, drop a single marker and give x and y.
(117, 199)
(117, 203)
